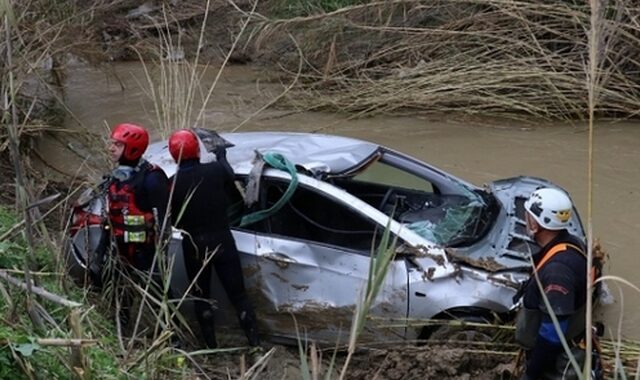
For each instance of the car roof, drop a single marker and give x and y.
(336, 154)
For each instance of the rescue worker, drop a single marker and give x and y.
(199, 208)
(561, 267)
(137, 200)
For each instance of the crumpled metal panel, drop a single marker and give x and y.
(336, 153)
(320, 285)
(507, 244)
(464, 288)
(516, 245)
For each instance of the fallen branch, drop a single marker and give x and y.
(60, 342)
(39, 291)
(66, 342)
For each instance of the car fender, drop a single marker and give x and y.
(467, 289)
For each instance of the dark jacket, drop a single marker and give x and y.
(204, 188)
(563, 281)
(563, 278)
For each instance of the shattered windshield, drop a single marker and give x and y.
(436, 207)
(458, 225)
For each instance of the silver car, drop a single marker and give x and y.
(306, 236)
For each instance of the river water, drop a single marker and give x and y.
(477, 150)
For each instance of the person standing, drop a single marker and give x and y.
(561, 268)
(199, 208)
(137, 200)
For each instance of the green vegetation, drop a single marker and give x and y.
(26, 350)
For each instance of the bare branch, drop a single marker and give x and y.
(38, 290)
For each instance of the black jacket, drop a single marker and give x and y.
(200, 201)
(563, 278)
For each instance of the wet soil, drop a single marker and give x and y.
(431, 362)
(391, 362)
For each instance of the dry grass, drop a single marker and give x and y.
(487, 57)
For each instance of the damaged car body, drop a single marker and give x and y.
(461, 250)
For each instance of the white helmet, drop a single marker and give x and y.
(551, 208)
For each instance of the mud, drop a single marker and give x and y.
(393, 363)
(486, 263)
(432, 362)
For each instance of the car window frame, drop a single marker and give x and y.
(337, 201)
(442, 182)
(354, 204)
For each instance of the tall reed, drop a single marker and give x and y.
(477, 57)
(381, 258)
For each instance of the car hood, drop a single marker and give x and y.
(507, 246)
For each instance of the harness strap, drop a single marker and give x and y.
(560, 248)
(556, 249)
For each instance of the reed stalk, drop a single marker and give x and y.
(381, 258)
(521, 60)
(9, 96)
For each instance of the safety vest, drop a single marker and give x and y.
(130, 224)
(528, 320)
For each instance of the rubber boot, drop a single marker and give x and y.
(248, 323)
(207, 328)
(124, 314)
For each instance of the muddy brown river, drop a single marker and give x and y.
(477, 150)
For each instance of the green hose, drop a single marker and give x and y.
(277, 161)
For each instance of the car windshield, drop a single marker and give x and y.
(436, 206)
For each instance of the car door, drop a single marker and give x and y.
(313, 258)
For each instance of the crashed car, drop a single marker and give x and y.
(461, 251)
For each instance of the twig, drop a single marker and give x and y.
(77, 357)
(163, 338)
(259, 365)
(30, 288)
(9, 233)
(66, 342)
(60, 342)
(344, 10)
(20, 183)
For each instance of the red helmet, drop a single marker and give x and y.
(134, 137)
(184, 140)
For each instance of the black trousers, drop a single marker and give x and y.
(226, 262)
